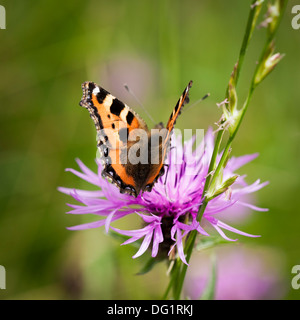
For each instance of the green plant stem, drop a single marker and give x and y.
(180, 271)
(169, 287)
(182, 266)
(213, 160)
(251, 22)
(210, 180)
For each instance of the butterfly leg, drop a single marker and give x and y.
(165, 182)
(166, 174)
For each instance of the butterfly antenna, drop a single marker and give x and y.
(196, 102)
(139, 102)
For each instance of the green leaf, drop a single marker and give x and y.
(148, 266)
(222, 188)
(209, 242)
(209, 291)
(123, 238)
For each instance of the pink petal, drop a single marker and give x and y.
(157, 239)
(83, 193)
(235, 163)
(98, 223)
(180, 246)
(223, 235)
(89, 225)
(227, 227)
(93, 180)
(149, 218)
(109, 219)
(251, 206)
(249, 189)
(86, 170)
(134, 233)
(144, 246)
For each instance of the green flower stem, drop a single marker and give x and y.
(182, 267)
(179, 270)
(165, 296)
(251, 23)
(252, 18)
(213, 160)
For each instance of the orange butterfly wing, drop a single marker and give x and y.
(158, 171)
(114, 120)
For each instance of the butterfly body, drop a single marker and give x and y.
(132, 156)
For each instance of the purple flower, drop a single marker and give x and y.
(169, 211)
(243, 273)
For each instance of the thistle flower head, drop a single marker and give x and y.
(169, 211)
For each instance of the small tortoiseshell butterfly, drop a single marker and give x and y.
(115, 123)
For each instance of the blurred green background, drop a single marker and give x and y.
(48, 49)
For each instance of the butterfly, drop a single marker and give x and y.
(120, 138)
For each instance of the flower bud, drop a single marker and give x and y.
(269, 61)
(222, 188)
(273, 15)
(231, 93)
